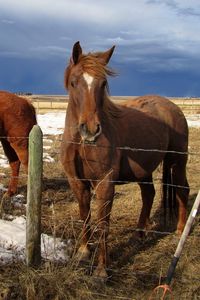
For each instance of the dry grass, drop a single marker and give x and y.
(136, 266)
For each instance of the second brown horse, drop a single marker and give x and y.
(17, 117)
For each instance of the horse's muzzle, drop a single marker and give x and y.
(87, 135)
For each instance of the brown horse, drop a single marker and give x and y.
(105, 144)
(17, 117)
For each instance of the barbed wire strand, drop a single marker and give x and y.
(116, 147)
(115, 181)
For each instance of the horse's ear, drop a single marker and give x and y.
(105, 56)
(76, 52)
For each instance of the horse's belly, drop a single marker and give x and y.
(132, 172)
(138, 168)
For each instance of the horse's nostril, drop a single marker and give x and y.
(89, 134)
(83, 128)
(98, 131)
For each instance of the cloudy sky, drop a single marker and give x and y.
(157, 43)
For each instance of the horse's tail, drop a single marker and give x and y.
(169, 192)
(33, 113)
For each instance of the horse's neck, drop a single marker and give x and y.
(71, 120)
(111, 110)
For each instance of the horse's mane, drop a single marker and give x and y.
(92, 65)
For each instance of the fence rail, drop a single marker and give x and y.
(40, 102)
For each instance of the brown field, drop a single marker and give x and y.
(136, 266)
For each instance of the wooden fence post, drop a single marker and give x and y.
(34, 194)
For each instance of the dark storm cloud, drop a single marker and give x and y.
(157, 43)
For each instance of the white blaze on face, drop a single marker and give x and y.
(88, 79)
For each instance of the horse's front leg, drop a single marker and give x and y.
(83, 195)
(104, 193)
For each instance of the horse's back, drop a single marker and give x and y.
(165, 111)
(12, 103)
(157, 107)
(17, 114)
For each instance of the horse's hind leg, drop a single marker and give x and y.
(147, 193)
(21, 149)
(182, 193)
(14, 165)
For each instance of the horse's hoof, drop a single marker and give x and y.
(83, 254)
(179, 232)
(139, 235)
(6, 196)
(100, 274)
(5, 203)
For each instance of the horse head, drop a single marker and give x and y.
(86, 82)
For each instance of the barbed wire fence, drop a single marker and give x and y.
(157, 179)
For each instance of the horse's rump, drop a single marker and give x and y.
(17, 117)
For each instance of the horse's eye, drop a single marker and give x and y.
(104, 83)
(73, 83)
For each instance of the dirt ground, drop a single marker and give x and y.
(137, 266)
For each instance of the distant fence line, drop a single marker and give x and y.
(59, 102)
